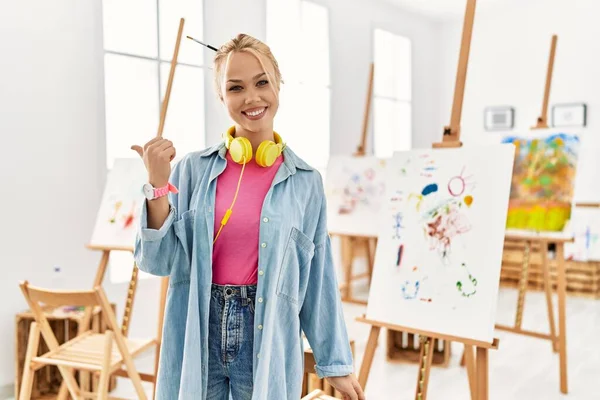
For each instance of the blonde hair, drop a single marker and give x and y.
(247, 43)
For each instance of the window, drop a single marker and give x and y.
(392, 97)
(299, 38)
(139, 40)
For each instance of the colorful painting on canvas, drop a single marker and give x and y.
(117, 219)
(542, 184)
(439, 253)
(355, 190)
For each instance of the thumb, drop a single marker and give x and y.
(138, 149)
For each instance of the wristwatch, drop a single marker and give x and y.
(152, 193)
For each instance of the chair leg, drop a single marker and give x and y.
(28, 374)
(63, 392)
(105, 373)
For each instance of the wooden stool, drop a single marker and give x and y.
(311, 382)
(318, 395)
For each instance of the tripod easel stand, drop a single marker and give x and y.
(351, 243)
(557, 337)
(476, 360)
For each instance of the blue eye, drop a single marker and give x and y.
(235, 88)
(262, 82)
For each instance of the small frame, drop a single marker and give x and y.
(499, 118)
(572, 114)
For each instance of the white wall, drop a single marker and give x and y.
(509, 58)
(52, 166)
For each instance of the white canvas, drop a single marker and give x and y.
(585, 228)
(439, 253)
(355, 190)
(118, 216)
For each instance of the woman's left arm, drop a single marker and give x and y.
(321, 315)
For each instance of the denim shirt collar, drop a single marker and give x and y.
(290, 159)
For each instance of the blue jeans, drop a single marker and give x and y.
(230, 341)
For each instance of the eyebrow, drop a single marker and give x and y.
(254, 78)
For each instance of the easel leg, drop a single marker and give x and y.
(482, 373)
(469, 358)
(548, 290)
(425, 360)
(365, 367)
(347, 259)
(523, 285)
(562, 323)
(370, 246)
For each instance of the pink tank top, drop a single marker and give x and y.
(235, 253)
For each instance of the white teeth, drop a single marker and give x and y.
(255, 113)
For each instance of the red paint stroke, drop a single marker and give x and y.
(426, 300)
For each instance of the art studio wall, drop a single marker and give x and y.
(509, 58)
(53, 164)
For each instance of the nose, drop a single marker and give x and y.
(253, 96)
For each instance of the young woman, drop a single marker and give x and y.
(246, 277)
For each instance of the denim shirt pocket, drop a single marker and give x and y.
(183, 227)
(293, 273)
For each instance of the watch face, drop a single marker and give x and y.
(148, 190)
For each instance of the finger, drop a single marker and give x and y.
(151, 142)
(352, 394)
(138, 149)
(359, 391)
(174, 154)
(168, 153)
(160, 147)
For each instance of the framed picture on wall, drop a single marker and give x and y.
(499, 118)
(574, 114)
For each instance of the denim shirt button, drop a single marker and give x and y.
(263, 245)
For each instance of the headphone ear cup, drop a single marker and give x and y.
(267, 153)
(240, 148)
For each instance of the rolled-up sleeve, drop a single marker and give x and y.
(154, 249)
(321, 315)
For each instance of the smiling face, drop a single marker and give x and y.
(250, 92)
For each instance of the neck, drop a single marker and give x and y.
(255, 138)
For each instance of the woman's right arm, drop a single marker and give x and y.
(155, 242)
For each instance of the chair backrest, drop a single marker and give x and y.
(86, 298)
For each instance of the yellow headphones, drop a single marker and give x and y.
(241, 149)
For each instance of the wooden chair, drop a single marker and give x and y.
(88, 351)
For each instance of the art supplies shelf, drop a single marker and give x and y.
(64, 322)
(583, 278)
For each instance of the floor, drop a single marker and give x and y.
(522, 368)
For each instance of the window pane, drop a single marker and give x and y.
(315, 43)
(170, 12)
(392, 127)
(392, 65)
(130, 27)
(131, 93)
(283, 36)
(184, 124)
(384, 64)
(402, 68)
(307, 135)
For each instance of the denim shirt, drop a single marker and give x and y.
(297, 289)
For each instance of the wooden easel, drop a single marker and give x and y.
(477, 361)
(558, 339)
(542, 121)
(351, 244)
